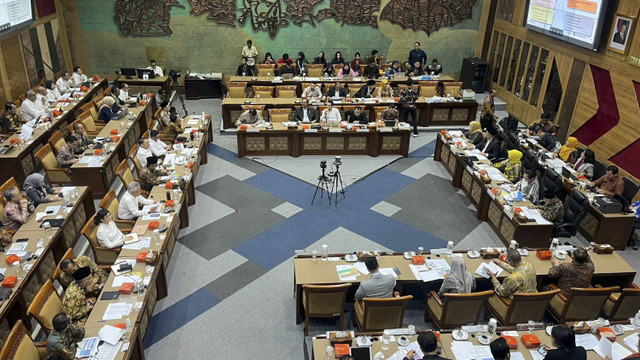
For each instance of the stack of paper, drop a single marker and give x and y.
(116, 311)
(388, 271)
(143, 243)
(587, 341)
(614, 350)
(347, 272)
(87, 347)
(360, 266)
(110, 334)
(463, 350)
(632, 341)
(416, 269)
(493, 267)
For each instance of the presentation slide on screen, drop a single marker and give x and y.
(576, 19)
(14, 12)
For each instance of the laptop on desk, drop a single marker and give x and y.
(123, 114)
(347, 78)
(5, 149)
(287, 76)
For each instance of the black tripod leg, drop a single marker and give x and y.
(316, 193)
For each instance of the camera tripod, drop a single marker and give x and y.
(338, 184)
(175, 87)
(322, 185)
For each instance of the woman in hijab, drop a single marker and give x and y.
(393, 69)
(474, 134)
(458, 280)
(52, 92)
(512, 166)
(346, 70)
(108, 109)
(569, 147)
(301, 63)
(385, 90)
(36, 189)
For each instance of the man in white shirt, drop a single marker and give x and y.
(128, 208)
(30, 109)
(63, 84)
(250, 52)
(124, 93)
(158, 148)
(156, 69)
(41, 97)
(330, 116)
(78, 77)
(312, 92)
(143, 151)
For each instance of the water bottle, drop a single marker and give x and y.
(128, 326)
(156, 237)
(450, 248)
(47, 230)
(40, 244)
(554, 245)
(17, 269)
(513, 245)
(202, 118)
(325, 252)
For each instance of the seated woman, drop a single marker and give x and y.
(338, 59)
(268, 59)
(529, 186)
(585, 163)
(393, 69)
(16, 209)
(458, 280)
(385, 90)
(164, 113)
(564, 340)
(474, 134)
(52, 92)
(346, 70)
(512, 166)
(36, 189)
(176, 126)
(108, 110)
(357, 63)
(108, 234)
(566, 152)
(301, 63)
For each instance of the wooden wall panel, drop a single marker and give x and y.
(14, 64)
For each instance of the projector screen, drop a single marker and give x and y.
(575, 21)
(15, 14)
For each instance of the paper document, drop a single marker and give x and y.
(110, 334)
(430, 275)
(413, 346)
(85, 160)
(493, 267)
(119, 280)
(116, 311)
(463, 350)
(115, 267)
(535, 355)
(415, 269)
(388, 271)
(26, 131)
(360, 266)
(107, 351)
(143, 243)
(347, 272)
(517, 356)
(437, 264)
(17, 247)
(587, 341)
(483, 352)
(87, 346)
(169, 159)
(631, 340)
(53, 209)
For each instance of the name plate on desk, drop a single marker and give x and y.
(362, 130)
(253, 130)
(385, 130)
(311, 130)
(335, 130)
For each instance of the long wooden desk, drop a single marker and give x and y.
(299, 80)
(283, 141)
(610, 270)
(444, 113)
(15, 307)
(22, 160)
(160, 81)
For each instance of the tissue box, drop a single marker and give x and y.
(341, 350)
(141, 256)
(114, 132)
(154, 225)
(544, 254)
(126, 288)
(12, 258)
(607, 333)
(168, 185)
(511, 341)
(530, 341)
(417, 260)
(9, 281)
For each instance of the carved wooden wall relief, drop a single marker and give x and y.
(352, 12)
(427, 15)
(221, 11)
(144, 17)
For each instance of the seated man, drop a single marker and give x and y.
(30, 109)
(379, 285)
(337, 91)
(356, 116)
(149, 174)
(390, 114)
(81, 295)
(610, 183)
(366, 91)
(305, 113)
(551, 208)
(575, 274)
(83, 140)
(434, 68)
(288, 68)
(244, 69)
(66, 155)
(69, 266)
(529, 186)
(78, 76)
(128, 207)
(63, 84)
(41, 97)
(493, 146)
(500, 349)
(429, 345)
(250, 117)
(157, 146)
(10, 121)
(16, 209)
(522, 277)
(371, 71)
(63, 339)
(416, 70)
(312, 92)
(544, 124)
(144, 151)
(157, 70)
(124, 92)
(330, 116)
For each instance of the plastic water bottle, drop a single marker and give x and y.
(450, 248)
(554, 245)
(17, 268)
(128, 326)
(325, 252)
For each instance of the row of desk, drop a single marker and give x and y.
(597, 227)
(429, 113)
(446, 340)
(610, 270)
(22, 159)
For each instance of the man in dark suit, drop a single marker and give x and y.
(621, 36)
(305, 113)
(356, 116)
(366, 91)
(493, 146)
(337, 91)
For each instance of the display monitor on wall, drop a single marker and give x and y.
(15, 14)
(578, 22)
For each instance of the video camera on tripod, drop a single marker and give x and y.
(175, 74)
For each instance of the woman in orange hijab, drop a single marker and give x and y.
(569, 146)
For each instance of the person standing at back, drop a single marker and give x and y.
(250, 53)
(417, 54)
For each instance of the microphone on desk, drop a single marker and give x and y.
(168, 195)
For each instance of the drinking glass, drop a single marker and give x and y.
(531, 325)
(329, 352)
(420, 250)
(385, 342)
(314, 254)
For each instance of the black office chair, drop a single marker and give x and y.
(575, 209)
(529, 160)
(551, 180)
(599, 169)
(630, 189)
(513, 143)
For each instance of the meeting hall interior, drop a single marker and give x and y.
(319, 179)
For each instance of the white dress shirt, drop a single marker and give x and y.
(79, 79)
(143, 154)
(109, 235)
(124, 95)
(53, 95)
(41, 100)
(63, 85)
(158, 148)
(310, 93)
(128, 208)
(157, 70)
(331, 116)
(31, 110)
